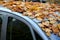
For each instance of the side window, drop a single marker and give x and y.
(17, 30)
(0, 27)
(37, 36)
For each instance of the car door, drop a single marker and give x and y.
(17, 30)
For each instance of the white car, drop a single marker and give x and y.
(15, 26)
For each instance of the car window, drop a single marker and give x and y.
(0, 27)
(37, 36)
(17, 30)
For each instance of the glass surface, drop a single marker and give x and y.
(37, 36)
(17, 30)
(0, 27)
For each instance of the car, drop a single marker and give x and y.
(14, 26)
